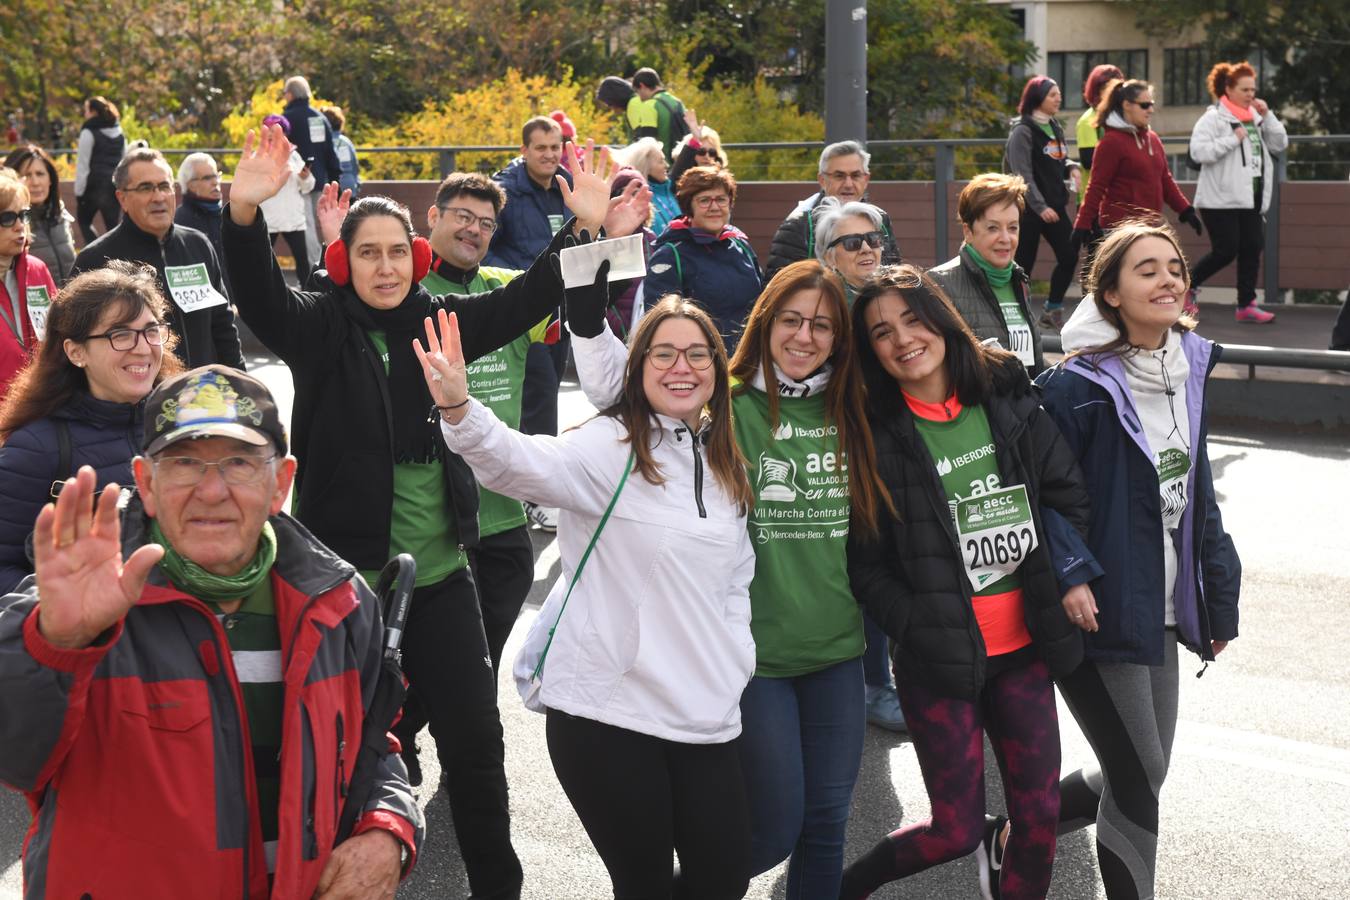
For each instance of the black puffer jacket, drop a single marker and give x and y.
(968, 288)
(910, 576)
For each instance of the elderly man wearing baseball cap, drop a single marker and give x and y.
(183, 683)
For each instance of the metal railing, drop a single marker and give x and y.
(1253, 355)
(944, 160)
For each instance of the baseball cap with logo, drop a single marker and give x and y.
(212, 401)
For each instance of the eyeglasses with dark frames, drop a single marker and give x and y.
(9, 218)
(464, 218)
(663, 356)
(127, 338)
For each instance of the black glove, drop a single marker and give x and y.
(586, 306)
(1079, 238)
(1192, 219)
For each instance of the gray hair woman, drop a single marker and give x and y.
(850, 238)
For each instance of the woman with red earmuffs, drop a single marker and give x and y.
(375, 478)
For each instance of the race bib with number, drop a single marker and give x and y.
(1019, 334)
(39, 302)
(1174, 466)
(555, 223)
(191, 288)
(996, 533)
(317, 133)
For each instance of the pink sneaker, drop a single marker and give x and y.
(1254, 315)
(1191, 307)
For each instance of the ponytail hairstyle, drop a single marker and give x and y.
(1224, 75)
(1096, 83)
(104, 109)
(1114, 95)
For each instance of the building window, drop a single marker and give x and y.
(1072, 69)
(1184, 73)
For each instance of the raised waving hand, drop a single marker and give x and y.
(264, 166)
(333, 208)
(84, 588)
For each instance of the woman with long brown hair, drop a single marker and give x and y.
(962, 579)
(79, 401)
(645, 671)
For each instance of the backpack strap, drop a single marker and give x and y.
(63, 456)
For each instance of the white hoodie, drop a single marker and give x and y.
(656, 636)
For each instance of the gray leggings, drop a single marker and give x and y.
(1128, 713)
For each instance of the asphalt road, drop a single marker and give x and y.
(1257, 804)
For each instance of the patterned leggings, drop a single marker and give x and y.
(1017, 709)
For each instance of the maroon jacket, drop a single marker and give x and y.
(15, 349)
(1130, 179)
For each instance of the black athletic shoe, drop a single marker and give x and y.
(989, 857)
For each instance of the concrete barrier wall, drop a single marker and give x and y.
(1314, 238)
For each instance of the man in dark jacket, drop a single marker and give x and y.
(188, 267)
(200, 180)
(843, 174)
(186, 682)
(313, 139)
(533, 213)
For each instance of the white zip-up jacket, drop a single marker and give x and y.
(1225, 180)
(286, 210)
(656, 637)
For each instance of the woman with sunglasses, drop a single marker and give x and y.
(640, 657)
(50, 226)
(26, 287)
(704, 257)
(850, 238)
(983, 280)
(79, 402)
(1130, 400)
(962, 580)
(1130, 175)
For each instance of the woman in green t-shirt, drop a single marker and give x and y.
(798, 415)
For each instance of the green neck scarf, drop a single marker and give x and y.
(202, 584)
(997, 277)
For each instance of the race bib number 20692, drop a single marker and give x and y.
(996, 533)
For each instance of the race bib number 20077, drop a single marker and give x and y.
(996, 532)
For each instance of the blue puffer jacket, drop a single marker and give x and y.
(523, 226)
(1089, 399)
(719, 271)
(104, 435)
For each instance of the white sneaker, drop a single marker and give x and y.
(545, 518)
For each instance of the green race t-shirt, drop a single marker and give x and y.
(495, 381)
(963, 451)
(802, 612)
(422, 523)
(255, 648)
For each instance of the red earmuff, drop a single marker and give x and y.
(335, 261)
(339, 272)
(421, 249)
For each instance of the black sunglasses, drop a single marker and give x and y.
(1147, 104)
(9, 217)
(853, 242)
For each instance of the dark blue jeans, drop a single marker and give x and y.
(801, 745)
(877, 658)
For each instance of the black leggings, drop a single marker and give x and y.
(1233, 234)
(503, 570)
(93, 201)
(640, 797)
(296, 241)
(1058, 235)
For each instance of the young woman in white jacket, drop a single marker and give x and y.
(1233, 141)
(646, 664)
